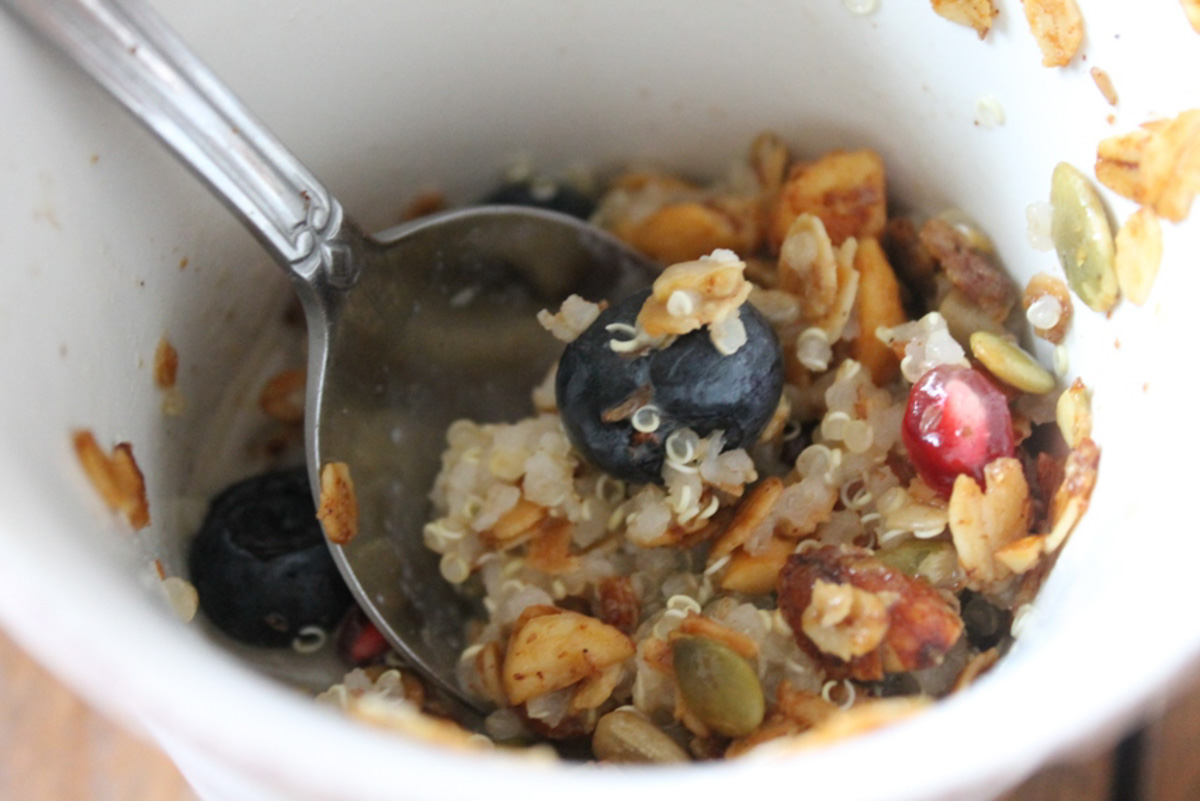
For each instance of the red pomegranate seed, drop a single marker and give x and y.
(360, 643)
(956, 422)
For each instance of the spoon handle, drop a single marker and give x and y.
(131, 52)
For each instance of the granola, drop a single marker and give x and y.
(817, 561)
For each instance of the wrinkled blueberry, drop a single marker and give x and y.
(260, 564)
(689, 385)
(987, 625)
(543, 194)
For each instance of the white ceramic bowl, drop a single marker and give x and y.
(384, 99)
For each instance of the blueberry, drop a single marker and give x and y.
(690, 384)
(543, 194)
(260, 563)
(987, 625)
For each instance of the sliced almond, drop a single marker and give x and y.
(595, 690)
(984, 521)
(1022, 555)
(1139, 250)
(516, 525)
(808, 266)
(751, 512)
(685, 231)
(878, 304)
(552, 651)
(756, 574)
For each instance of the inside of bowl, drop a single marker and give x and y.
(111, 248)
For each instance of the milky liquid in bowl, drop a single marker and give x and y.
(110, 247)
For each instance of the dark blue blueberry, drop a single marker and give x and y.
(541, 194)
(690, 383)
(986, 624)
(260, 563)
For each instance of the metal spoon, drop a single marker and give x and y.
(408, 330)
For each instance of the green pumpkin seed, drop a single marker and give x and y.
(628, 737)
(1010, 364)
(719, 686)
(934, 560)
(1083, 238)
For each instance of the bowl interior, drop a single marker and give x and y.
(111, 247)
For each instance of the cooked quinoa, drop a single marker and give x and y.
(804, 580)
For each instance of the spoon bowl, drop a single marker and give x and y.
(441, 325)
(408, 330)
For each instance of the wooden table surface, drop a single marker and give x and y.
(53, 747)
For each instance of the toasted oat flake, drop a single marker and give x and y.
(115, 476)
(1157, 165)
(1105, 85)
(847, 190)
(338, 508)
(282, 397)
(1057, 26)
(977, 14)
(1139, 253)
